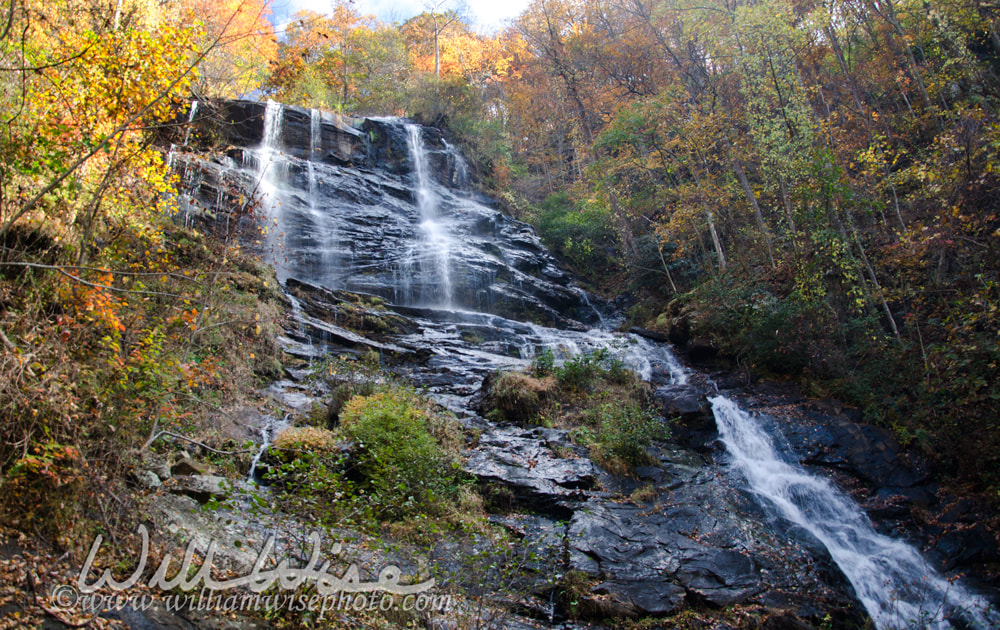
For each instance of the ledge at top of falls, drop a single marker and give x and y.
(360, 142)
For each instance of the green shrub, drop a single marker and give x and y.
(622, 433)
(580, 372)
(341, 394)
(583, 236)
(544, 363)
(405, 468)
(313, 486)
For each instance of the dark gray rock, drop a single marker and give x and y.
(963, 546)
(870, 453)
(694, 426)
(201, 488)
(654, 561)
(349, 213)
(652, 335)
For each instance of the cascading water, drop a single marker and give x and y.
(896, 585)
(191, 114)
(315, 134)
(460, 166)
(266, 162)
(431, 256)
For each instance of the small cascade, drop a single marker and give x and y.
(190, 125)
(586, 300)
(460, 167)
(894, 583)
(433, 261)
(265, 160)
(298, 316)
(267, 433)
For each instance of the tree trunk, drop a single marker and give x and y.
(752, 199)
(716, 242)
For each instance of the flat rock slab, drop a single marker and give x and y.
(202, 488)
(538, 477)
(655, 561)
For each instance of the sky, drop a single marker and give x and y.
(487, 15)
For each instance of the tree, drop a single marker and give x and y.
(243, 44)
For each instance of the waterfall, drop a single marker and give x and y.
(268, 181)
(459, 166)
(315, 134)
(407, 235)
(271, 428)
(191, 115)
(894, 583)
(434, 263)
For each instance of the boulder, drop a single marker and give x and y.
(201, 488)
(148, 479)
(524, 464)
(694, 426)
(188, 466)
(654, 562)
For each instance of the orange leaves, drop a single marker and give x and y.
(240, 43)
(203, 373)
(92, 304)
(52, 465)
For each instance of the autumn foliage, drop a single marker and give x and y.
(114, 320)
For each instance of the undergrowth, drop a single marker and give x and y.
(606, 407)
(161, 329)
(380, 454)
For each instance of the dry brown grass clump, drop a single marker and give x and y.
(521, 398)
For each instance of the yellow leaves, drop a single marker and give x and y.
(240, 40)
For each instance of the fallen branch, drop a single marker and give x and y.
(6, 342)
(192, 441)
(32, 584)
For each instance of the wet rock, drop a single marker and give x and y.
(348, 213)
(633, 600)
(864, 451)
(694, 426)
(922, 496)
(683, 401)
(963, 546)
(652, 335)
(784, 622)
(653, 561)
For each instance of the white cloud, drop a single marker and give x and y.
(487, 15)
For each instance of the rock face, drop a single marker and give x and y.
(202, 488)
(697, 541)
(343, 193)
(524, 463)
(693, 424)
